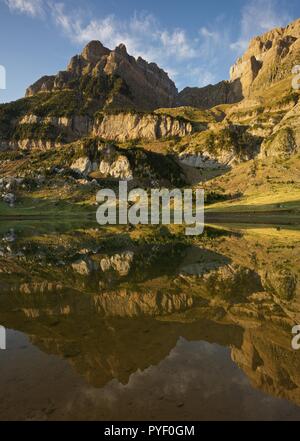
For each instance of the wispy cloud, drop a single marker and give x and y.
(143, 36)
(259, 16)
(33, 8)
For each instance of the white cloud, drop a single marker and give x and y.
(34, 8)
(258, 17)
(209, 34)
(177, 44)
(141, 34)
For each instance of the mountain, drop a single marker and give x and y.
(111, 116)
(112, 79)
(268, 59)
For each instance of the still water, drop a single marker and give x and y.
(145, 325)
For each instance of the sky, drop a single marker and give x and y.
(195, 41)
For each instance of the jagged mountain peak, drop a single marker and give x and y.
(268, 59)
(94, 51)
(116, 78)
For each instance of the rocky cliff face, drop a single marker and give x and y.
(146, 168)
(114, 78)
(35, 132)
(130, 126)
(285, 139)
(225, 92)
(269, 59)
(260, 120)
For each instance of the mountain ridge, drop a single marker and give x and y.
(99, 120)
(142, 85)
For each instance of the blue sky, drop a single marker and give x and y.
(195, 41)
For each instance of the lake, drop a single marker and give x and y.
(146, 324)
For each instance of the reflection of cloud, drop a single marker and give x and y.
(197, 381)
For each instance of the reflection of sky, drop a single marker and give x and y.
(196, 380)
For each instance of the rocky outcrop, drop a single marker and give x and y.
(133, 126)
(222, 147)
(119, 263)
(119, 126)
(281, 144)
(285, 139)
(29, 144)
(84, 166)
(268, 59)
(120, 79)
(75, 126)
(118, 168)
(146, 168)
(225, 92)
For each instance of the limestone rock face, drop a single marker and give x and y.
(73, 126)
(129, 126)
(84, 267)
(94, 51)
(281, 144)
(83, 165)
(119, 168)
(268, 59)
(121, 79)
(285, 139)
(225, 92)
(114, 164)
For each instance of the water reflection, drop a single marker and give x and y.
(162, 314)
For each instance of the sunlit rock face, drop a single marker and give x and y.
(130, 126)
(137, 84)
(268, 59)
(225, 92)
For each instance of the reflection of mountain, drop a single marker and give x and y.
(112, 312)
